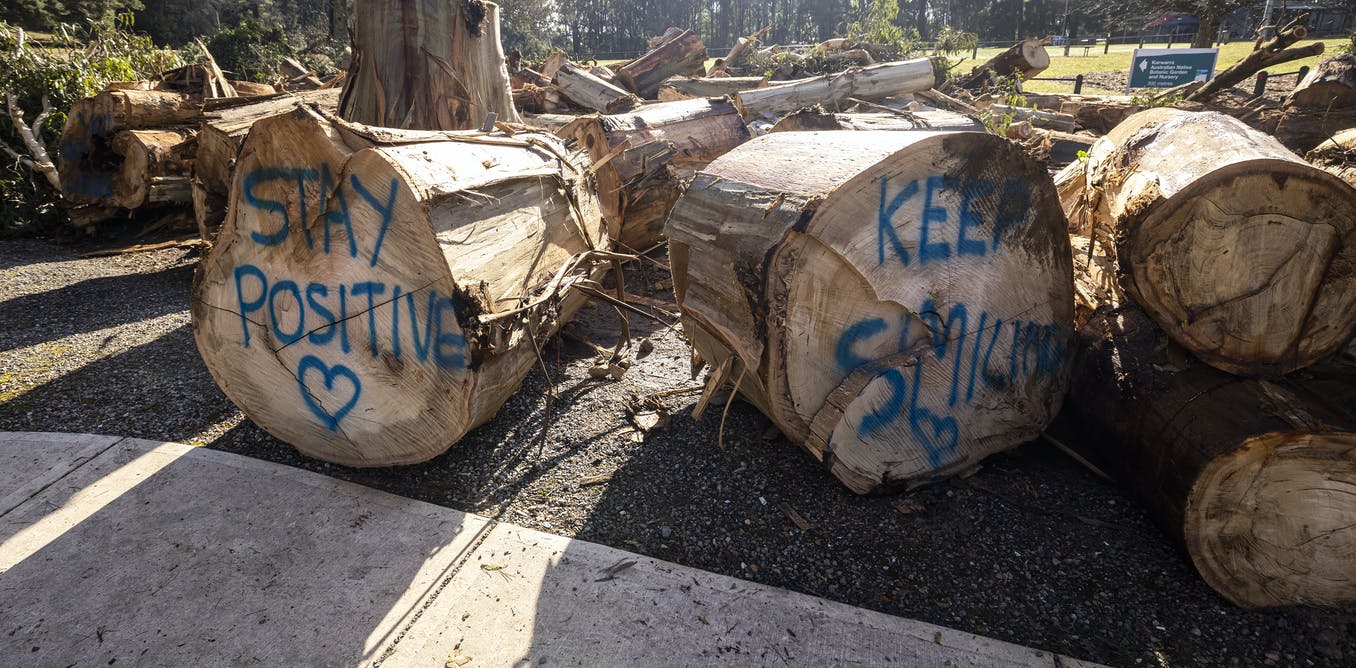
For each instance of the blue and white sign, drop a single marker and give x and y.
(1165, 68)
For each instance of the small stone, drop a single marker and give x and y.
(666, 531)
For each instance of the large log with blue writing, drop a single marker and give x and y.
(1239, 250)
(1254, 477)
(899, 303)
(426, 64)
(374, 293)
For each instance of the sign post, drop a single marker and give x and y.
(1165, 68)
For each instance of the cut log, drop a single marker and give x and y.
(641, 158)
(815, 118)
(1096, 113)
(1024, 59)
(1046, 120)
(1254, 477)
(426, 64)
(551, 123)
(88, 161)
(1330, 85)
(831, 90)
(590, 92)
(898, 352)
(252, 89)
(148, 159)
(376, 293)
(1337, 155)
(679, 88)
(220, 138)
(1302, 129)
(524, 77)
(684, 54)
(1237, 248)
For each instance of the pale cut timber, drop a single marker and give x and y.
(1046, 120)
(548, 122)
(1330, 85)
(220, 138)
(1253, 477)
(899, 303)
(148, 155)
(684, 54)
(87, 161)
(1337, 155)
(641, 158)
(426, 64)
(589, 91)
(1024, 59)
(375, 293)
(1241, 251)
(679, 88)
(815, 118)
(832, 90)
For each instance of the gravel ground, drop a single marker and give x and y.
(1031, 549)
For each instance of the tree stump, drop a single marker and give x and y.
(426, 64)
(898, 352)
(1254, 477)
(1241, 251)
(1330, 85)
(641, 158)
(374, 294)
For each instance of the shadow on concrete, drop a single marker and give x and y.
(180, 556)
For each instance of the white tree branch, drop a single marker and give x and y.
(39, 161)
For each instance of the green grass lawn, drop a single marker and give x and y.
(1119, 59)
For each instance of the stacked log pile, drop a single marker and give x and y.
(1215, 289)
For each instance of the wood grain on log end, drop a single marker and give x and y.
(1274, 523)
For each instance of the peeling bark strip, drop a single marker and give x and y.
(1254, 477)
(899, 303)
(1242, 252)
(374, 294)
(426, 64)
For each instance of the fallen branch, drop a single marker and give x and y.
(1267, 54)
(37, 160)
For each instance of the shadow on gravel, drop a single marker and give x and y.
(161, 388)
(92, 305)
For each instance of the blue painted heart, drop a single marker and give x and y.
(329, 374)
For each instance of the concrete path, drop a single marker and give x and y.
(134, 553)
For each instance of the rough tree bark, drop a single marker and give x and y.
(1242, 252)
(684, 54)
(376, 293)
(1330, 85)
(895, 352)
(426, 64)
(1337, 155)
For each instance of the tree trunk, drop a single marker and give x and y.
(680, 88)
(1237, 248)
(1095, 113)
(1025, 59)
(590, 92)
(1253, 476)
(1337, 155)
(1272, 52)
(684, 54)
(898, 352)
(815, 118)
(831, 90)
(1330, 85)
(427, 65)
(88, 161)
(376, 293)
(1206, 30)
(640, 159)
(1046, 120)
